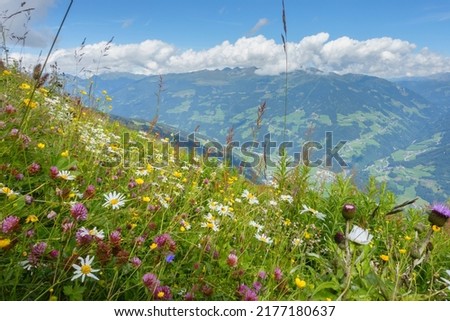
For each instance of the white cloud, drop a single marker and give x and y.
(17, 18)
(261, 23)
(384, 57)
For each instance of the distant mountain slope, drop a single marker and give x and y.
(381, 121)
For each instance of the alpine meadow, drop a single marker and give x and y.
(219, 184)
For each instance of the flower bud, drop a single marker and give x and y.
(348, 211)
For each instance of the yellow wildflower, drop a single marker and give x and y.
(145, 199)
(153, 246)
(30, 103)
(307, 235)
(384, 257)
(41, 145)
(65, 153)
(4, 243)
(407, 238)
(24, 86)
(436, 228)
(139, 181)
(32, 219)
(177, 174)
(300, 283)
(402, 251)
(6, 72)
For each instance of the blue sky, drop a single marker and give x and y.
(395, 30)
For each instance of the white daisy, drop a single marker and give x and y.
(316, 213)
(263, 238)
(84, 269)
(287, 198)
(114, 200)
(360, 235)
(93, 232)
(65, 175)
(447, 282)
(252, 199)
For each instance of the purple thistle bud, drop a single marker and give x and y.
(439, 214)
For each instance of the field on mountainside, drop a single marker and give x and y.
(83, 218)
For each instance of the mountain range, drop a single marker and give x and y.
(394, 130)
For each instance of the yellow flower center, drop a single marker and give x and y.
(160, 294)
(209, 225)
(6, 190)
(86, 269)
(114, 201)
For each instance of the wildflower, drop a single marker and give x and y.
(24, 86)
(54, 172)
(273, 203)
(30, 103)
(316, 213)
(65, 153)
(439, 214)
(84, 269)
(170, 257)
(348, 211)
(307, 235)
(384, 257)
(9, 109)
(41, 145)
(32, 219)
(296, 241)
(435, 228)
(34, 168)
(136, 262)
(162, 292)
(359, 235)
(6, 72)
(8, 192)
(287, 198)
(263, 238)
(407, 238)
(79, 212)
(146, 199)
(10, 224)
(4, 243)
(29, 199)
(89, 192)
(114, 200)
(447, 282)
(402, 251)
(139, 181)
(250, 197)
(153, 246)
(232, 260)
(246, 293)
(300, 283)
(165, 240)
(65, 175)
(151, 281)
(211, 223)
(115, 237)
(259, 227)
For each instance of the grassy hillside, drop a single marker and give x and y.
(93, 210)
